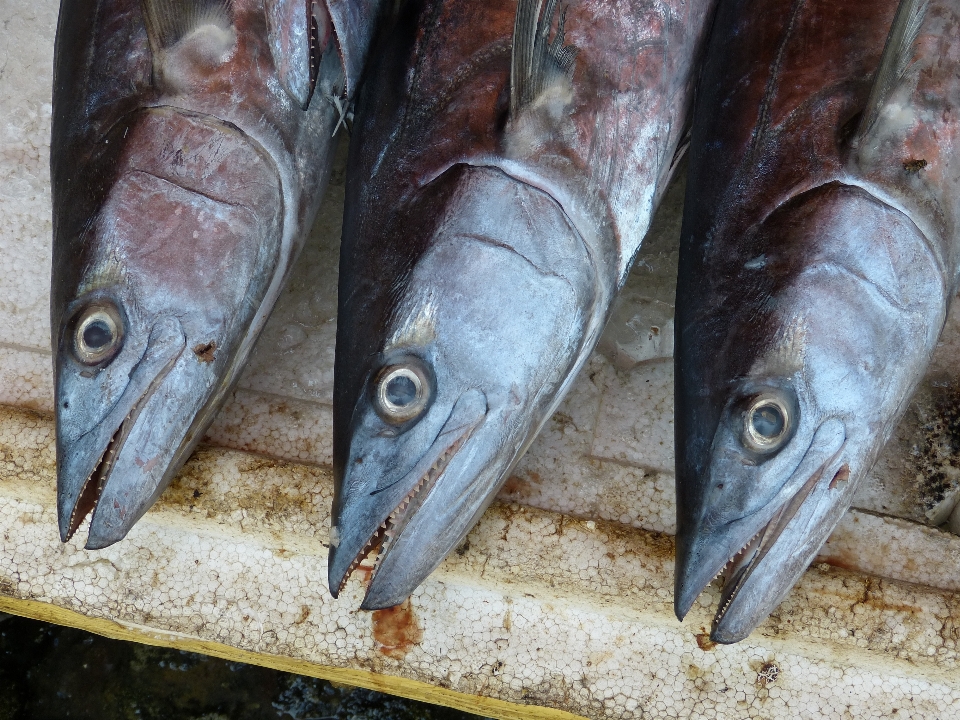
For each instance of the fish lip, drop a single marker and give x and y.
(686, 595)
(92, 488)
(442, 451)
(762, 541)
(91, 491)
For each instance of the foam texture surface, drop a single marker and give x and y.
(562, 596)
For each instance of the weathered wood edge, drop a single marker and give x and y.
(411, 689)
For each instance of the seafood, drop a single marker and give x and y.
(506, 161)
(819, 253)
(191, 143)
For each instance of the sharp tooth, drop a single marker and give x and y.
(387, 529)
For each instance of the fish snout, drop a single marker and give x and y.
(378, 506)
(86, 466)
(718, 538)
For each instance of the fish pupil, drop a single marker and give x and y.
(768, 421)
(97, 335)
(401, 391)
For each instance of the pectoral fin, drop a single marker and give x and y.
(189, 40)
(535, 59)
(169, 21)
(897, 54)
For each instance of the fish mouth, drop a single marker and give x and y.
(707, 553)
(92, 489)
(76, 501)
(397, 519)
(742, 564)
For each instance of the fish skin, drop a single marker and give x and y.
(815, 266)
(483, 241)
(186, 175)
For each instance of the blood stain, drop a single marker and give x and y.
(704, 642)
(396, 630)
(205, 351)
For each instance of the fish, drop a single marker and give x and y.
(191, 143)
(818, 256)
(505, 161)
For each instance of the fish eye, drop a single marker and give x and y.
(402, 392)
(98, 334)
(767, 424)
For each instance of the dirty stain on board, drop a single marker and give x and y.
(767, 674)
(284, 496)
(934, 450)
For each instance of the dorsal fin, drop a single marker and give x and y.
(168, 21)
(535, 61)
(897, 55)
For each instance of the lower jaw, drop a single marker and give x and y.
(390, 528)
(738, 569)
(93, 487)
(742, 564)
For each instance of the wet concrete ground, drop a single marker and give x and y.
(48, 672)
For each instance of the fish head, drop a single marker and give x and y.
(789, 386)
(479, 338)
(149, 316)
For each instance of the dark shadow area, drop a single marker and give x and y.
(48, 672)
